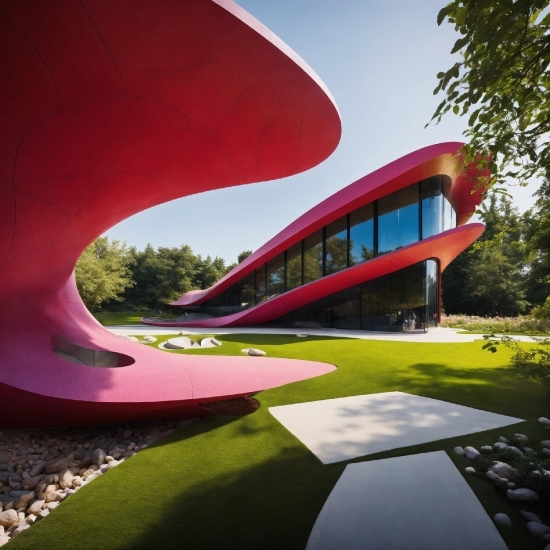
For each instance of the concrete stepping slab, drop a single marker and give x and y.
(350, 427)
(416, 502)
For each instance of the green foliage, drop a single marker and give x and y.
(543, 312)
(337, 254)
(502, 83)
(533, 364)
(528, 324)
(491, 276)
(243, 256)
(161, 276)
(249, 483)
(538, 241)
(103, 272)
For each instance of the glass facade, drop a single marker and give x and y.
(404, 217)
(401, 301)
(313, 257)
(398, 219)
(361, 234)
(336, 246)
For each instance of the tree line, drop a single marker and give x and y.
(114, 277)
(506, 271)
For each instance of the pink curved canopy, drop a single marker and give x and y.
(440, 159)
(111, 108)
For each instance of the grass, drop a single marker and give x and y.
(108, 318)
(246, 482)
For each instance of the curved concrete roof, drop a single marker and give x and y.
(114, 107)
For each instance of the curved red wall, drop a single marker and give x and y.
(437, 159)
(111, 108)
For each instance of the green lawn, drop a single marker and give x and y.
(248, 483)
(121, 317)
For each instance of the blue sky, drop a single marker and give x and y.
(379, 60)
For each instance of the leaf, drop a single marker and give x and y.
(460, 43)
(444, 12)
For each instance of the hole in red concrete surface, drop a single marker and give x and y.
(91, 357)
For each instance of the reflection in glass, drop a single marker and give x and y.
(401, 301)
(432, 207)
(361, 238)
(344, 309)
(432, 291)
(248, 291)
(313, 257)
(276, 276)
(336, 246)
(260, 284)
(398, 219)
(294, 266)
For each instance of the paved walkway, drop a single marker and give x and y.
(350, 427)
(434, 335)
(416, 502)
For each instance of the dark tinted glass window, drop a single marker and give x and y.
(398, 223)
(313, 257)
(336, 246)
(432, 206)
(449, 215)
(247, 291)
(260, 284)
(416, 285)
(344, 309)
(369, 304)
(276, 276)
(294, 266)
(361, 238)
(431, 283)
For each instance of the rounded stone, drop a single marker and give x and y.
(515, 450)
(529, 516)
(8, 518)
(522, 495)
(502, 469)
(503, 519)
(538, 529)
(471, 453)
(256, 352)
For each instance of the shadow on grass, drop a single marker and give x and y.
(277, 339)
(495, 390)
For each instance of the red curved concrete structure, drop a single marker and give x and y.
(440, 159)
(111, 108)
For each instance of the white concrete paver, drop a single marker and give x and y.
(350, 427)
(416, 502)
(434, 335)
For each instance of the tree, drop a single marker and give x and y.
(502, 83)
(161, 276)
(103, 272)
(490, 277)
(538, 241)
(208, 271)
(243, 256)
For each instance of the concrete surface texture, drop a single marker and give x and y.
(434, 335)
(350, 427)
(416, 502)
(112, 108)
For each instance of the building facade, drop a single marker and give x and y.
(340, 266)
